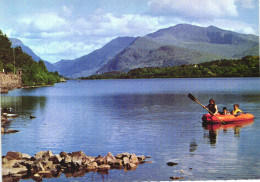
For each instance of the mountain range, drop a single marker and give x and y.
(177, 45)
(89, 64)
(183, 44)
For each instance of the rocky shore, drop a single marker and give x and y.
(10, 81)
(44, 164)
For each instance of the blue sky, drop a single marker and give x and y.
(67, 29)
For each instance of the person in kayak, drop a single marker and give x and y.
(236, 110)
(212, 106)
(225, 111)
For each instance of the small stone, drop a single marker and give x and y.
(176, 178)
(118, 163)
(14, 155)
(122, 155)
(78, 153)
(77, 160)
(4, 160)
(63, 154)
(39, 154)
(131, 165)
(86, 161)
(104, 166)
(100, 160)
(141, 157)
(19, 170)
(43, 154)
(56, 159)
(26, 156)
(48, 154)
(126, 161)
(37, 177)
(134, 159)
(48, 165)
(172, 163)
(109, 158)
(67, 159)
(92, 166)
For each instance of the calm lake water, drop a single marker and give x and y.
(147, 117)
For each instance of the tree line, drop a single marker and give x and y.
(33, 73)
(245, 67)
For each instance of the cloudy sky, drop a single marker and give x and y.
(67, 29)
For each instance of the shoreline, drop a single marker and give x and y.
(45, 164)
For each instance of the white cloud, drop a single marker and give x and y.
(194, 9)
(45, 21)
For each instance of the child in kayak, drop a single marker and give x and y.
(236, 110)
(212, 106)
(225, 111)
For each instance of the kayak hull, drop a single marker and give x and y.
(208, 118)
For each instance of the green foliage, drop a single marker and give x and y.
(34, 73)
(246, 67)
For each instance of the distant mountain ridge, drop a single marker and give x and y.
(26, 49)
(210, 39)
(183, 44)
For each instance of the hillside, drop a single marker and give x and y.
(246, 67)
(182, 44)
(26, 49)
(146, 53)
(89, 64)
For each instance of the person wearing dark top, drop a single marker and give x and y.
(212, 106)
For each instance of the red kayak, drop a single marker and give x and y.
(208, 118)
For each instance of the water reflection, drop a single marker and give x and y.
(193, 146)
(213, 129)
(23, 104)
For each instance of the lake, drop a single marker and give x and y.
(152, 117)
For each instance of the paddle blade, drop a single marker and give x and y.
(191, 97)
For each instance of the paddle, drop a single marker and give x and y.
(194, 99)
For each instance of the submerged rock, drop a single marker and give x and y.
(176, 178)
(172, 163)
(32, 117)
(11, 131)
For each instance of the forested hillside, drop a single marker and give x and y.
(34, 73)
(246, 67)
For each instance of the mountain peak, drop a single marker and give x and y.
(16, 42)
(213, 28)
